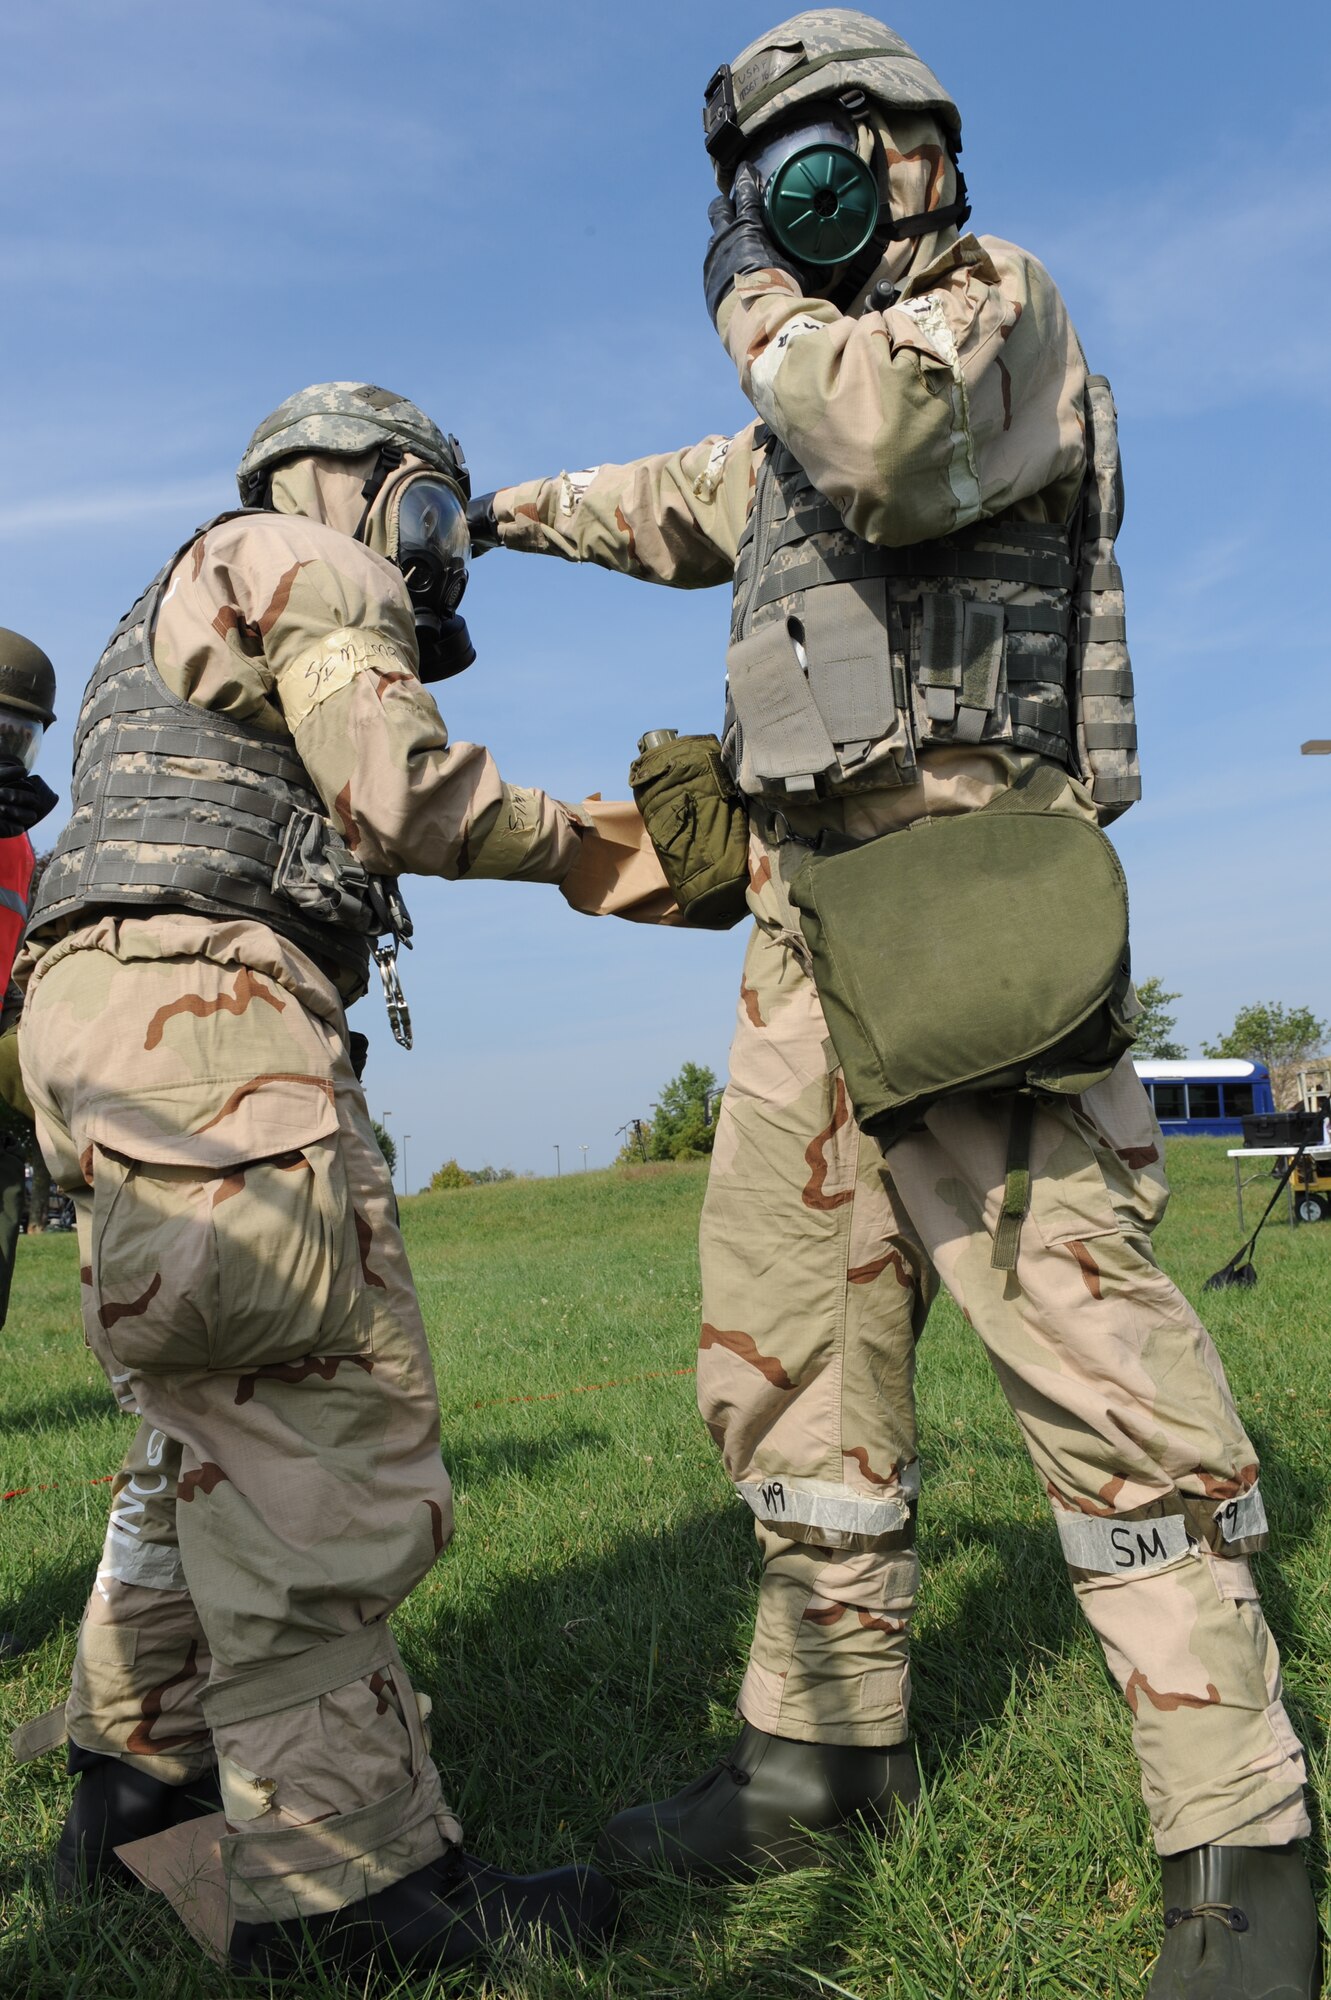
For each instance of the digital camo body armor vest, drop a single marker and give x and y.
(175, 806)
(847, 658)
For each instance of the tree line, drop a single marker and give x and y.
(1285, 1039)
(681, 1125)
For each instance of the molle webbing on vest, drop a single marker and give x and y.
(896, 649)
(1104, 714)
(176, 805)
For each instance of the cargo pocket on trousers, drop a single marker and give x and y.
(236, 1267)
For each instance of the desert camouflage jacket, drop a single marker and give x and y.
(960, 401)
(291, 627)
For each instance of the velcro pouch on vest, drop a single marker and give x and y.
(698, 826)
(960, 658)
(786, 744)
(844, 630)
(986, 951)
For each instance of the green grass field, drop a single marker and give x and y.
(583, 1637)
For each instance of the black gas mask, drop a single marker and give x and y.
(430, 543)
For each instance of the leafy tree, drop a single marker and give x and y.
(1155, 1024)
(451, 1175)
(683, 1119)
(1286, 1039)
(637, 1143)
(387, 1146)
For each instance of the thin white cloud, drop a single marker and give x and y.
(1214, 286)
(109, 505)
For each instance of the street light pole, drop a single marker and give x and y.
(558, 1163)
(406, 1137)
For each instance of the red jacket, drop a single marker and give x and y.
(16, 859)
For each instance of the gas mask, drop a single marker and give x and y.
(429, 541)
(820, 199)
(823, 201)
(20, 736)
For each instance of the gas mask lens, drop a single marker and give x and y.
(819, 197)
(430, 543)
(20, 736)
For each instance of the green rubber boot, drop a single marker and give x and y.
(1240, 1924)
(754, 1811)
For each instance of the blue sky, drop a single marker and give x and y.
(500, 211)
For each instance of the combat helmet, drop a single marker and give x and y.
(344, 419)
(27, 678)
(818, 54)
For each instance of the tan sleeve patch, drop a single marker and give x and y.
(331, 664)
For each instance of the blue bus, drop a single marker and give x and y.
(1205, 1099)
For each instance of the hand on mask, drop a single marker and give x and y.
(740, 241)
(24, 798)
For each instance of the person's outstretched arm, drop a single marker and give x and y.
(673, 518)
(320, 643)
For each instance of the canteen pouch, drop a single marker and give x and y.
(987, 951)
(698, 826)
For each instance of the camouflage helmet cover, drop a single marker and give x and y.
(344, 419)
(27, 678)
(823, 52)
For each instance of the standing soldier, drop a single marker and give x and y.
(27, 709)
(928, 628)
(255, 761)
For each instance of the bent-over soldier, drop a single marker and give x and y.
(255, 761)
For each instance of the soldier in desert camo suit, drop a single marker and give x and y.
(244, 1282)
(919, 456)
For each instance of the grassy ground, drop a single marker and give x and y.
(583, 1637)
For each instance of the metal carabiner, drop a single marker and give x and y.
(399, 1015)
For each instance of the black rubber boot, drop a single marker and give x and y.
(454, 1909)
(114, 1803)
(1240, 1924)
(754, 1810)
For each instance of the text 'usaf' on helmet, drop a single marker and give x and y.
(818, 54)
(344, 419)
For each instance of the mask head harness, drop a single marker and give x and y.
(820, 198)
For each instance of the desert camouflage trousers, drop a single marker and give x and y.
(246, 1290)
(819, 1256)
